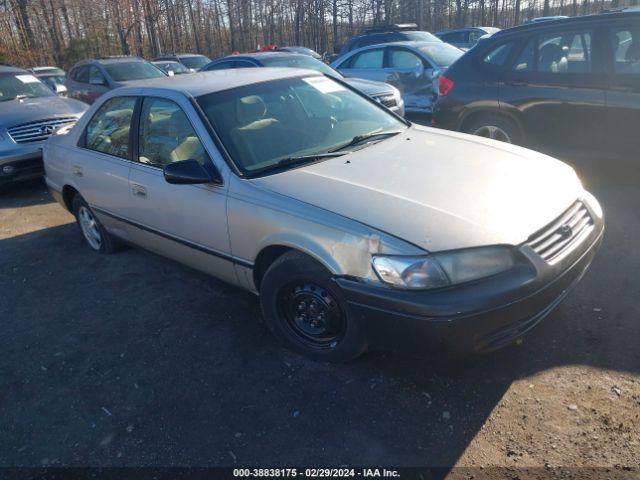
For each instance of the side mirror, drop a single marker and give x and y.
(61, 89)
(190, 172)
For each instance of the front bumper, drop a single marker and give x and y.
(24, 163)
(477, 317)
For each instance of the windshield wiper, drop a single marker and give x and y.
(367, 136)
(17, 97)
(300, 159)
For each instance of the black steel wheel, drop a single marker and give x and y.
(306, 310)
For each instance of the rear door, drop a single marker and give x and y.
(100, 169)
(557, 84)
(412, 75)
(185, 222)
(367, 64)
(623, 92)
(78, 84)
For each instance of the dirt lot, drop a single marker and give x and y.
(132, 359)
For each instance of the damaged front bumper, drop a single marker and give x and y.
(477, 317)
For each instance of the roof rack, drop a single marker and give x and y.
(396, 27)
(115, 57)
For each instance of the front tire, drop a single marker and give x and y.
(496, 128)
(306, 310)
(94, 234)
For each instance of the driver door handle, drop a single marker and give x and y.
(77, 171)
(139, 190)
(518, 83)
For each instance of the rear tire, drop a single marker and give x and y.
(496, 127)
(94, 234)
(306, 310)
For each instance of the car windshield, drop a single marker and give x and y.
(442, 54)
(196, 62)
(52, 80)
(125, 71)
(267, 124)
(48, 71)
(25, 85)
(300, 61)
(420, 37)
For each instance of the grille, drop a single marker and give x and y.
(387, 100)
(40, 130)
(562, 236)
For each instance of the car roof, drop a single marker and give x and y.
(202, 83)
(109, 60)
(414, 44)
(605, 15)
(11, 69)
(261, 55)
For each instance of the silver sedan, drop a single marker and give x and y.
(356, 228)
(411, 67)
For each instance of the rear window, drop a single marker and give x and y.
(122, 72)
(442, 54)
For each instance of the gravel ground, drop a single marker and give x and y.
(132, 359)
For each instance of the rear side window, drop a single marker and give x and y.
(498, 55)
(108, 130)
(564, 53)
(625, 43)
(556, 53)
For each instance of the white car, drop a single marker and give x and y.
(356, 228)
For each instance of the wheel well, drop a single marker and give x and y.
(68, 192)
(264, 260)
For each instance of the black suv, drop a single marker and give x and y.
(387, 34)
(561, 85)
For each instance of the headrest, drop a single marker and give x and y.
(250, 109)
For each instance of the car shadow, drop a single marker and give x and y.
(24, 194)
(132, 359)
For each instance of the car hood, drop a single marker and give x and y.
(18, 112)
(438, 190)
(369, 87)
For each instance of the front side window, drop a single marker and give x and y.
(266, 123)
(404, 59)
(96, 77)
(368, 59)
(126, 71)
(15, 86)
(625, 43)
(108, 130)
(166, 135)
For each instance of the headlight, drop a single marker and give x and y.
(443, 269)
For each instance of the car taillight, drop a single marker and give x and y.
(444, 85)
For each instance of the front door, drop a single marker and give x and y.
(557, 84)
(185, 222)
